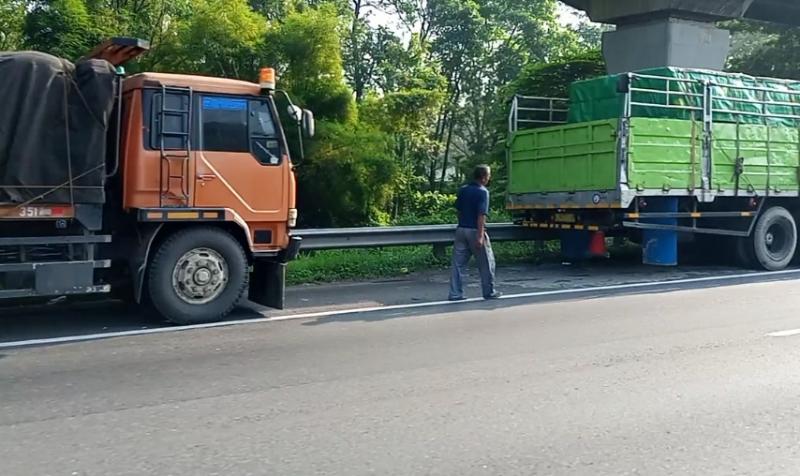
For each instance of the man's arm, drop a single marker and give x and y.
(483, 210)
(481, 229)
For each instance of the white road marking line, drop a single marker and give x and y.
(341, 312)
(788, 333)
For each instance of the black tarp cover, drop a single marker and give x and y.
(54, 118)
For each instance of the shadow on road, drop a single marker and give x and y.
(80, 318)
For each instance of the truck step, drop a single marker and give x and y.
(22, 267)
(54, 240)
(26, 293)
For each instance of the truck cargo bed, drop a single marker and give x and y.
(681, 133)
(663, 156)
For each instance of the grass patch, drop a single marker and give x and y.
(342, 265)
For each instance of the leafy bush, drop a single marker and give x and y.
(348, 176)
(428, 208)
(553, 79)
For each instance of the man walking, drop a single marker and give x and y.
(471, 239)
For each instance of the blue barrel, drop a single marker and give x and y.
(659, 247)
(575, 245)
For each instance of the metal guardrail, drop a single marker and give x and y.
(377, 237)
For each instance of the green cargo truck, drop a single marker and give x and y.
(661, 155)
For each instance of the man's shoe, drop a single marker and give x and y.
(494, 295)
(456, 299)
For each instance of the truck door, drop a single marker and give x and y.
(241, 163)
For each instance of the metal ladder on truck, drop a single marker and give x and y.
(175, 157)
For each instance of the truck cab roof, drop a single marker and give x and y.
(196, 83)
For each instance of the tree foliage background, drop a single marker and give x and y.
(403, 111)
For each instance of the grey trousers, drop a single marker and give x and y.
(464, 247)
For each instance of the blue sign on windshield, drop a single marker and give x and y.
(227, 104)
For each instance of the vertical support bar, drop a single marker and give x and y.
(769, 161)
(161, 148)
(669, 85)
(660, 247)
(708, 124)
(693, 156)
(628, 97)
(186, 185)
(623, 132)
(738, 164)
(118, 126)
(511, 116)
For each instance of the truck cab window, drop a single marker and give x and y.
(264, 143)
(224, 124)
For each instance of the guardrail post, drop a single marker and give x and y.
(440, 251)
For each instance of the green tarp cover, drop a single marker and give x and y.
(598, 99)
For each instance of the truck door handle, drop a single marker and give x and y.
(206, 177)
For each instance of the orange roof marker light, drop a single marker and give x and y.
(266, 79)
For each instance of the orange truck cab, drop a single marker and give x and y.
(199, 200)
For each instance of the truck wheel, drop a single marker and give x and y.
(774, 240)
(197, 275)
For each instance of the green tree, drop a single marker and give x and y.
(367, 52)
(306, 50)
(481, 46)
(766, 50)
(222, 38)
(273, 10)
(408, 117)
(348, 180)
(12, 20)
(60, 27)
(160, 22)
(553, 79)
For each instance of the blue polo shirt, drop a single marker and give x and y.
(471, 202)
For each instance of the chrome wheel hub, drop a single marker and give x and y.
(200, 276)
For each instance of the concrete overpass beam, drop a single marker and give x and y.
(665, 42)
(636, 11)
(653, 33)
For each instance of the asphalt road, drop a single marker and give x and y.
(75, 319)
(683, 382)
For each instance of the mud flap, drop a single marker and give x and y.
(268, 283)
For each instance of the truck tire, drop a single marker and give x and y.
(197, 275)
(774, 240)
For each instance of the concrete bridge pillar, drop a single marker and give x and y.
(666, 42)
(681, 33)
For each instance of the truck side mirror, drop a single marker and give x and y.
(308, 123)
(295, 113)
